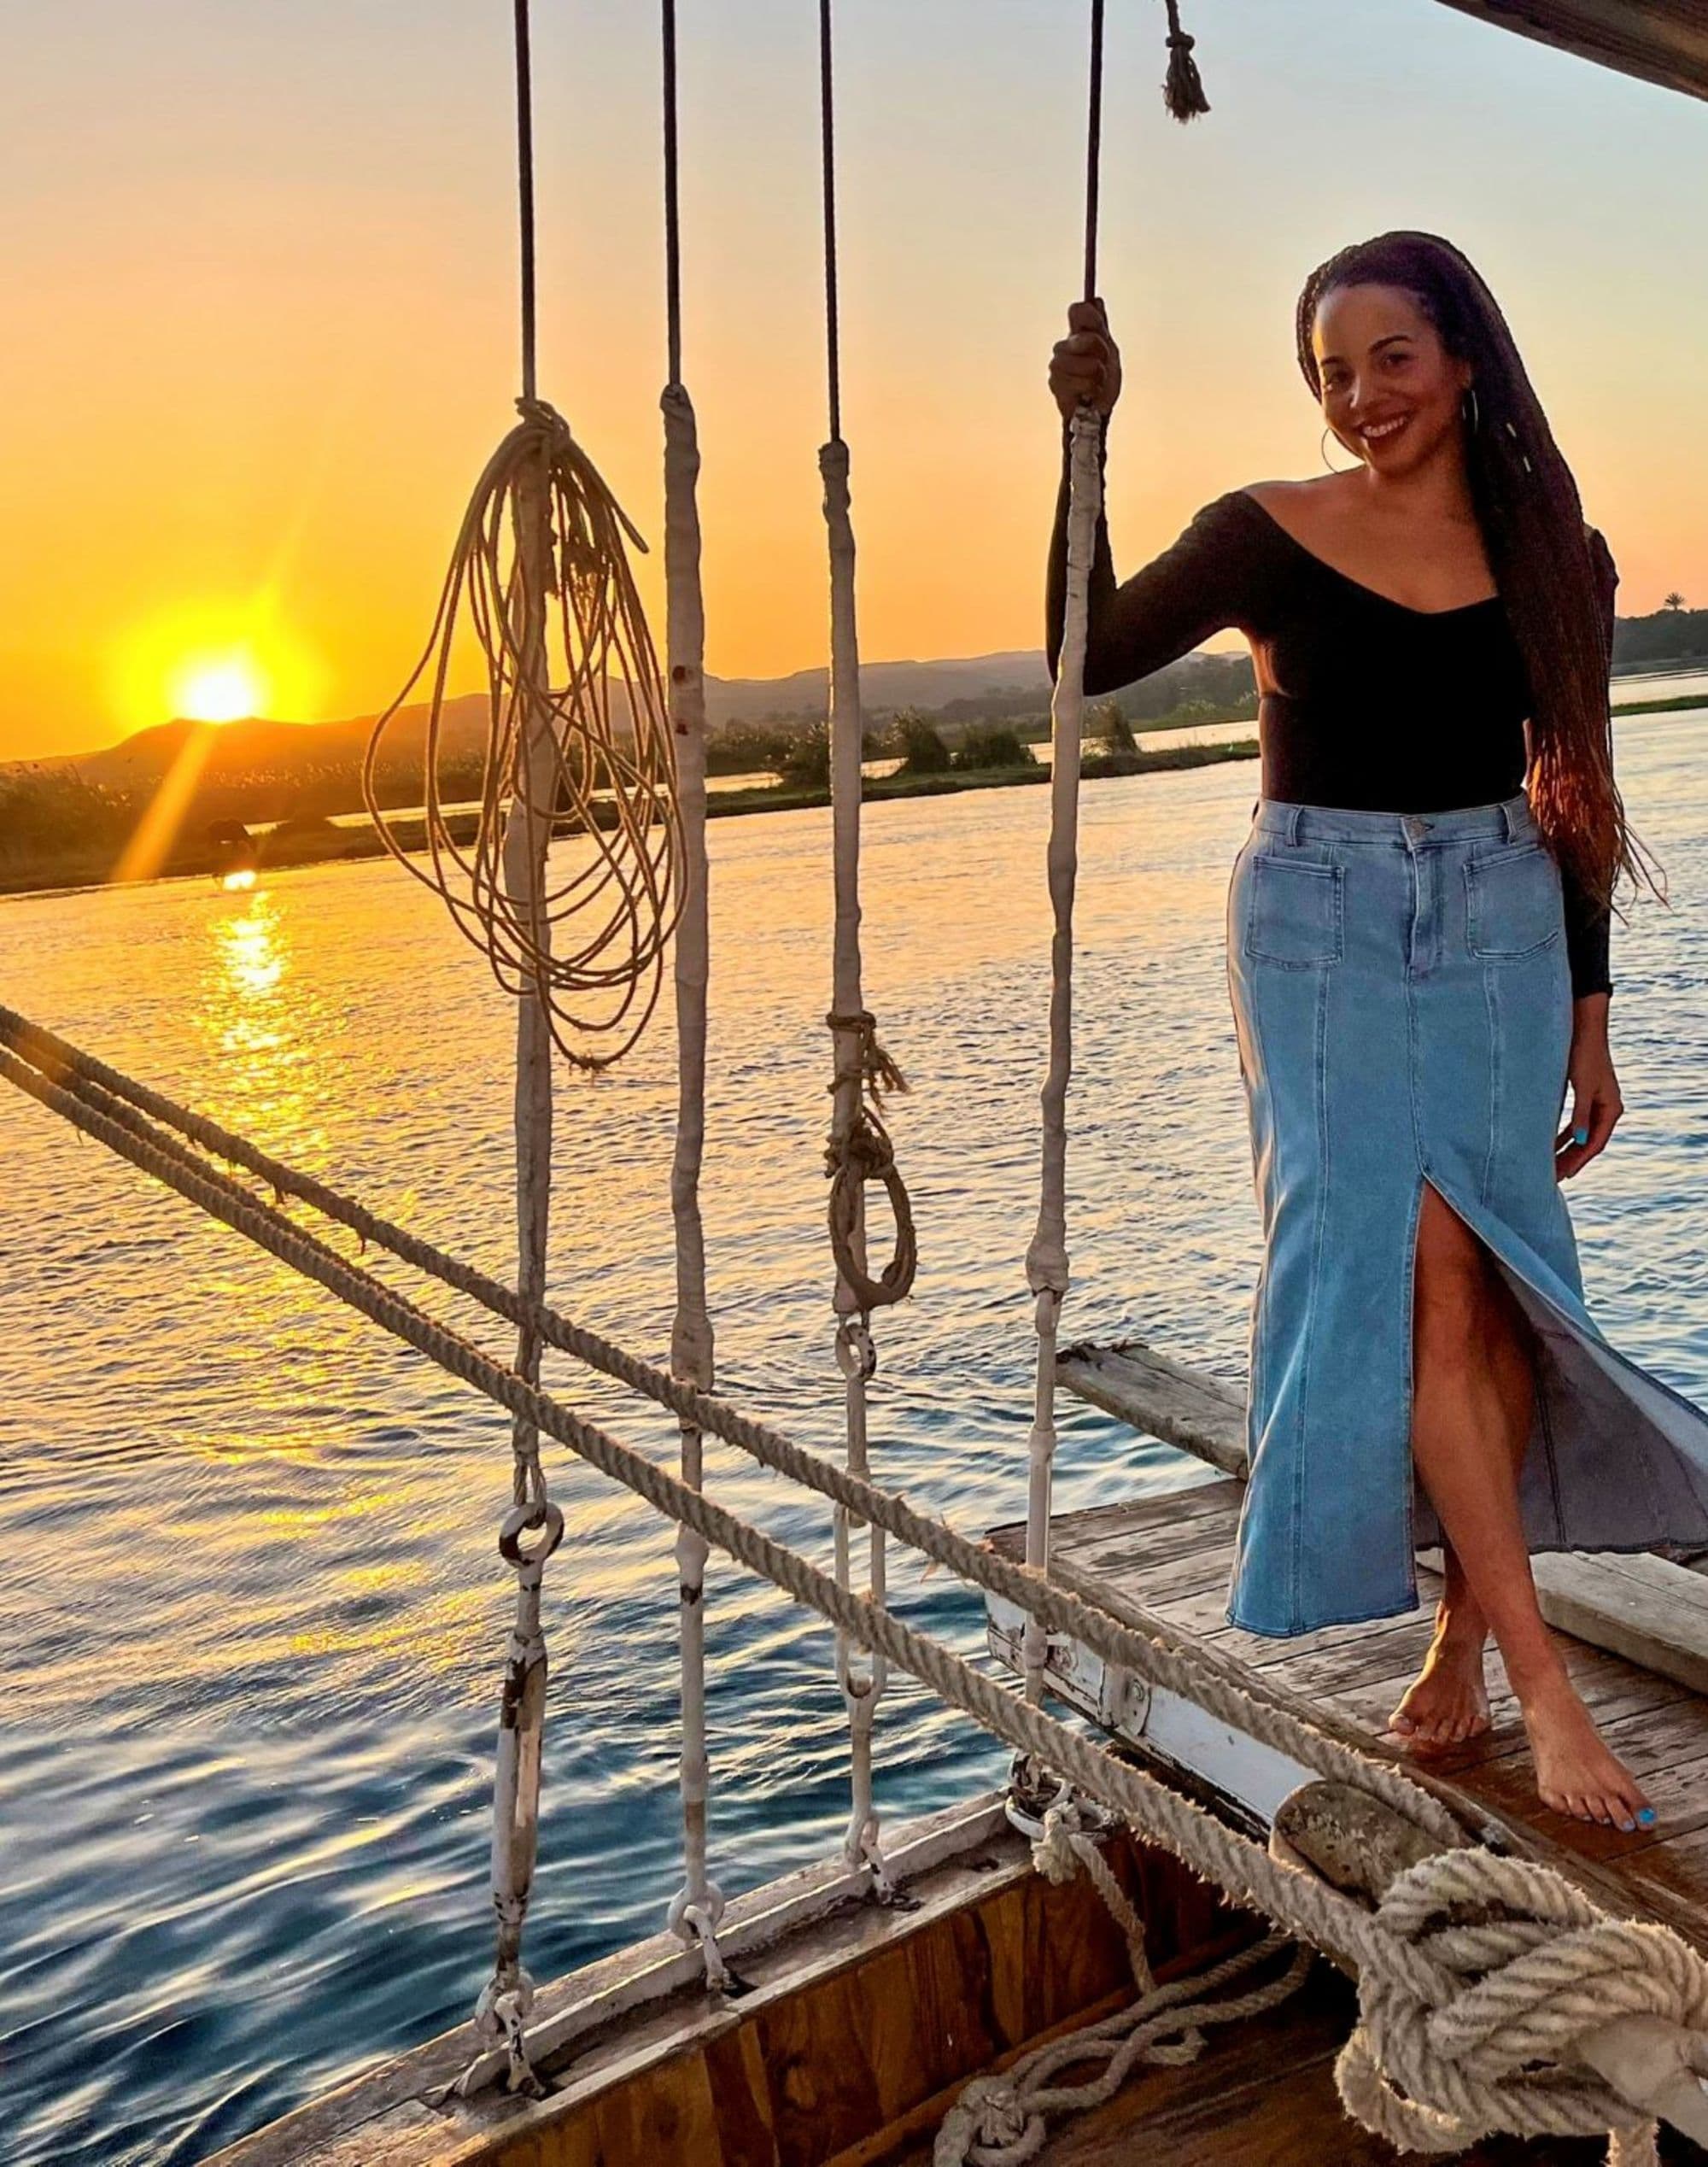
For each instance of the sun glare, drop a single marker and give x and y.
(217, 688)
(214, 662)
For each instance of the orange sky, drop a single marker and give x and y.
(261, 265)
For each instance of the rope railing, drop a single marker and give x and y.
(1133, 1641)
(1497, 2006)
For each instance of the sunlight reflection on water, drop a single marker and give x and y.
(250, 1611)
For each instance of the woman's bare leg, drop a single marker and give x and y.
(1449, 1701)
(1472, 1391)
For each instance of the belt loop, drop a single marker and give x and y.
(1514, 813)
(1295, 814)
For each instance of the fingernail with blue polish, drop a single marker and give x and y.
(1580, 1136)
(1646, 1819)
(1628, 1826)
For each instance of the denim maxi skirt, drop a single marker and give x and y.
(1403, 1006)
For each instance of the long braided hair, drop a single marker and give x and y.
(1555, 580)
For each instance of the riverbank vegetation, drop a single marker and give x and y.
(57, 830)
(294, 789)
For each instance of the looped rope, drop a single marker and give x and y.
(1519, 1969)
(1066, 1846)
(1005, 2121)
(695, 1921)
(866, 1154)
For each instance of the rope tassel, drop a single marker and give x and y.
(1183, 88)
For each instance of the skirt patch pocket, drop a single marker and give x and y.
(1512, 902)
(1292, 915)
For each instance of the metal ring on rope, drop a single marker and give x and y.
(547, 1520)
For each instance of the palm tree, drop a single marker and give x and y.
(1674, 601)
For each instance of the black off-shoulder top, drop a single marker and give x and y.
(1378, 706)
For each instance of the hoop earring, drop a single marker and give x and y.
(1328, 464)
(1469, 409)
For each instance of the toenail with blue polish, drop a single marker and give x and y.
(1580, 1136)
(1646, 1818)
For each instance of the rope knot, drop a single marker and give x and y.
(1500, 1972)
(541, 414)
(996, 2121)
(1056, 1852)
(876, 1070)
(1183, 88)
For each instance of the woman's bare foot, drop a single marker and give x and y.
(1447, 1701)
(1576, 1773)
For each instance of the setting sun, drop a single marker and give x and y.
(217, 688)
(215, 661)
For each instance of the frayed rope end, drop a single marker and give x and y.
(1183, 91)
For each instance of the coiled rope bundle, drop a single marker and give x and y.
(592, 946)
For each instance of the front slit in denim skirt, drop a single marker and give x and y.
(1403, 1005)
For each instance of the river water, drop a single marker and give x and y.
(250, 1615)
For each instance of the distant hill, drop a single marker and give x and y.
(260, 746)
(958, 689)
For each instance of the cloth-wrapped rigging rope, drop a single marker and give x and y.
(697, 1908)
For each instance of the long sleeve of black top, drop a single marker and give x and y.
(1368, 703)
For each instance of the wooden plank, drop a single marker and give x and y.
(1183, 1407)
(1658, 41)
(1346, 1679)
(1133, 1516)
(1647, 1608)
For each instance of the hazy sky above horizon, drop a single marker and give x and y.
(260, 264)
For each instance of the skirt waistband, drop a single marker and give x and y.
(1508, 820)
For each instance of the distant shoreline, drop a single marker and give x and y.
(69, 875)
(322, 844)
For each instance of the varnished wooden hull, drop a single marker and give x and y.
(858, 2030)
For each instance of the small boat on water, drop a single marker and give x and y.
(1207, 1871)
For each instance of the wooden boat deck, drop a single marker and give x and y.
(1172, 1554)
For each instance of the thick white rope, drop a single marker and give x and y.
(507, 2000)
(854, 1056)
(1046, 1260)
(1392, 1953)
(697, 1908)
(1123, 1635)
